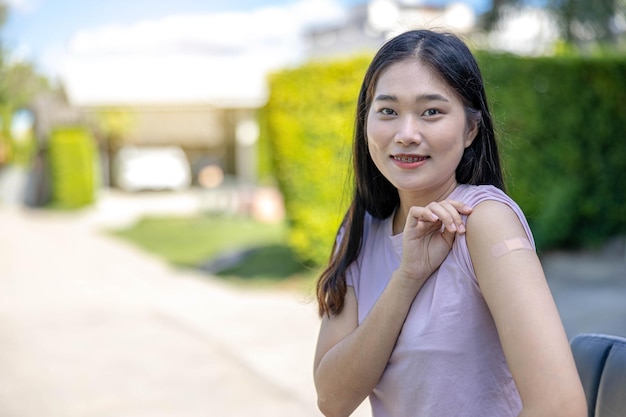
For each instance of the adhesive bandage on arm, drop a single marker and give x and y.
(510, 245)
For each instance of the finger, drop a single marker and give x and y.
(417, 214)
(464, 210)
(457, 210)
(461, 207)
(448, 214)
(421, 220)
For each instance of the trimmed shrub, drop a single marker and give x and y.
(563, 131)
(73, 157)
(307, 123)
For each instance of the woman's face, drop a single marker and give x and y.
(417, 130)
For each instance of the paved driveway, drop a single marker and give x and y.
(92, 327)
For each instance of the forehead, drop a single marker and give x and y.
(411, 77)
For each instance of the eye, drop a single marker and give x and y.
(386, 111)
(431, 112)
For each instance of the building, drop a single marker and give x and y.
(370, 24)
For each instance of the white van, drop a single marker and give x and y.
(151, 168)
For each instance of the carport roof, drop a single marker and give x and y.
(122, 80)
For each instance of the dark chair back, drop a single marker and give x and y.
(601, 363)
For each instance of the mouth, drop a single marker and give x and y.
(409, 158)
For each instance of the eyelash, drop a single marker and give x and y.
(386, 111)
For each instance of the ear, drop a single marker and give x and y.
(472, 129)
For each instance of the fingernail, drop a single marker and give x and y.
(452, 227)
(462, 228)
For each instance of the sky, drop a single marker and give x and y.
(42, 30)
(148, 41)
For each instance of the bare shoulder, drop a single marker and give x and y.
(491, 223)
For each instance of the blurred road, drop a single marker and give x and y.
(92, 327)
(590, 289)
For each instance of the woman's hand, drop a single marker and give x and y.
(428, 236)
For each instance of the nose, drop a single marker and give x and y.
(408, 131)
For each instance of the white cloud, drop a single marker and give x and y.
(22, 6)
(219, 58)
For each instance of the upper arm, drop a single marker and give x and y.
(333, 329)
(526, 317)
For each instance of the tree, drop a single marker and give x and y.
(19, 84)
(491, 18)
(581, 22)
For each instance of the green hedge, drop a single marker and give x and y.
(563, 127)
(72, 155)
(563, 138)
(308, 123)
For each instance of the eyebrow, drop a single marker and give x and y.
(423, 97)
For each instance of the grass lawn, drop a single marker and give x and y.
(236, 249)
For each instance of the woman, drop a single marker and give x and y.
(434, 302)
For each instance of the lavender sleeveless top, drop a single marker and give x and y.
(448, 360)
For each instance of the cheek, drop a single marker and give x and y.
(374, 131)
(456, 138)
(373, 136)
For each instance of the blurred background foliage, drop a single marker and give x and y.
(73, 159)
(563, 132)
(585, 26)
(19, 84)
(560, 121)
(307, 124)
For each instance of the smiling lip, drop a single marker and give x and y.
(408, 161)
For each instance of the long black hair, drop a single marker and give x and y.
(449, 57)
